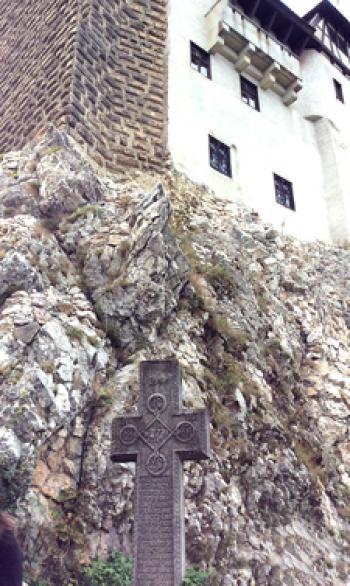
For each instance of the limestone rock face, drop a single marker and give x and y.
(66, 182)
(131, 264)
(97, 274)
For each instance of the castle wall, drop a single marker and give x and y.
(318, 98)
(37, 43)
(95, 67)
(335, 155)
(331, 119)
(275, 140)
(118, 108)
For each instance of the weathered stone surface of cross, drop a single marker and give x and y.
(159, 439)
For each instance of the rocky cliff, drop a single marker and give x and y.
(97, 274)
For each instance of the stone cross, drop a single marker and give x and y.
(159, 439)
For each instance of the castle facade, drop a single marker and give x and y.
(243, 96)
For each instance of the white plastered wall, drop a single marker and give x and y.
(278, 139)
(331, 119)
(343, 6)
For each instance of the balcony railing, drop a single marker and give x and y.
(254, 50)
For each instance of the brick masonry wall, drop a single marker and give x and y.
(119, 105)
(37, 48)
(96, 67)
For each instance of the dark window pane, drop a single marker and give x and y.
(338, 91)
(249, 94)
(332, 35)
(220, 158)
(343, 45)
(200, 60)
(284, 192)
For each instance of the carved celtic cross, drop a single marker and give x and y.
(159, 440)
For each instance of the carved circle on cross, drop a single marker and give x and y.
(128, 435)
(156, 403)
(156, 464)
(184, 431)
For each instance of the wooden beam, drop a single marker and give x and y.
(271, 21)
(288, 33)
(303, 44)
(255, 8)
(323, 30)
(317, 20)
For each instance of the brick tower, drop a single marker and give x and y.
(96, 68)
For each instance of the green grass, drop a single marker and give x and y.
(115, 571)
(52, 150)
(83, 211)
(74, 332)
(195, 577)
(103, 398)
(235, 338)
(221, 279)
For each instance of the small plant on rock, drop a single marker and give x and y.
(52, 150)
(94, 341)
(344, 512)
(51, 224)
(114, 571)
(83, 211)
(9, 212)
(74, 332)
(222, 279)
(236, 339)
(113, 332)
(195, 577)
(104, 398)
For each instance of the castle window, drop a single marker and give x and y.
(200, 60)
(284, 192)
(219, 154)
(338, 91)
(337, 42)
(343, 46)
(249, 93)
